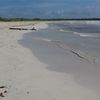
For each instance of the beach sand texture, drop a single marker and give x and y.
(44, 73)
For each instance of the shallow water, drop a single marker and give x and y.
(79, 35)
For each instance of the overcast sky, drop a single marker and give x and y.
(50, 8)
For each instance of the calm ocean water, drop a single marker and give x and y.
(79, 36)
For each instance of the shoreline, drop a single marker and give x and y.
(37, 69)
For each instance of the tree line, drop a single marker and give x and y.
(47, 19)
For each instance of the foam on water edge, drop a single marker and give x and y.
(84, 34)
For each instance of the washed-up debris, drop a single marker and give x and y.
(18, 29)
(13, 28)
(28, 92)
(3, 91)
(2, 86)
(33, 29)
(2, 95)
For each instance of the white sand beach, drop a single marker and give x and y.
(46, 73)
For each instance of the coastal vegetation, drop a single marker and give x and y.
(46, 19)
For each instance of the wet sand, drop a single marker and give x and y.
(33, 68)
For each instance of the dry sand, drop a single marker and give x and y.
(25, 77)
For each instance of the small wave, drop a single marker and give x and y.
(62, 30)
(80, 34)
(83, 34)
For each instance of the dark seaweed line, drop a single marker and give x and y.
(78, 55)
